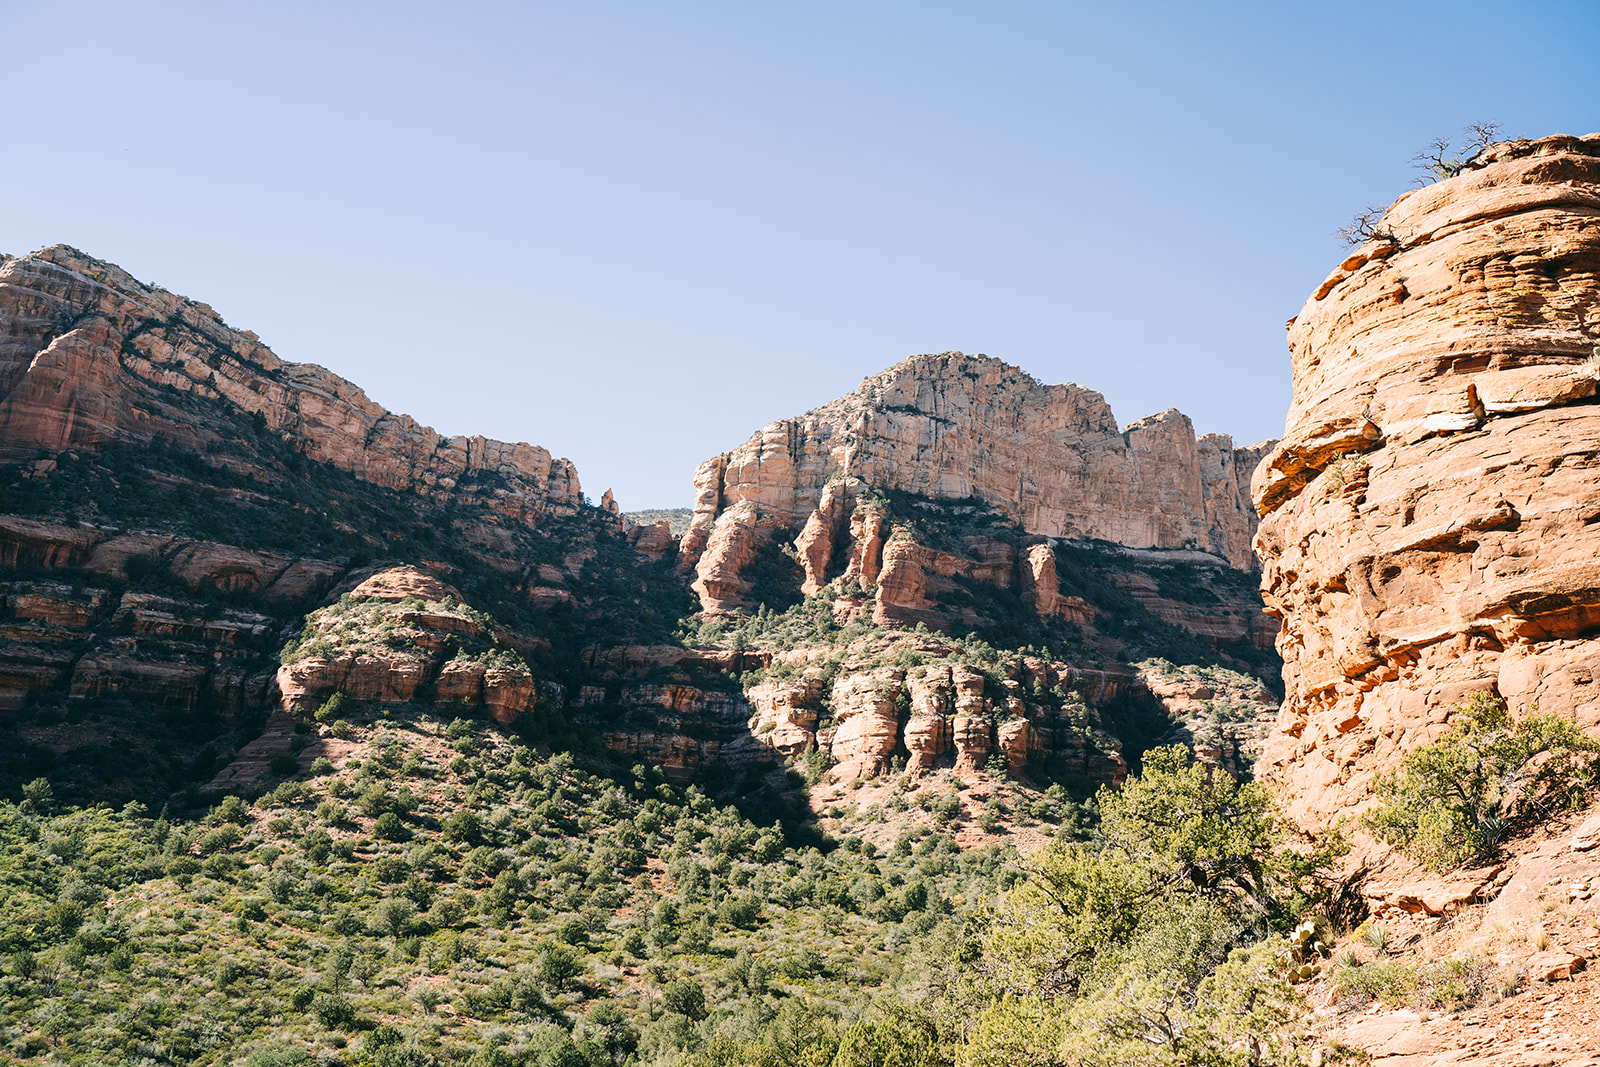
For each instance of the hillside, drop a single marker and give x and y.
(412, 755)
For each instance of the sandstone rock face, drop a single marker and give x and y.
(90, 356)
(1428, 518)
(167, 651)
(654, 541)
(1051, 457)
(1042, 590)
(399, 583)
(867, 721)
(941, 715)
(203, 566)
(731, 547)
(1224, 716)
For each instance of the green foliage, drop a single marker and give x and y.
(277, 922)
(1489, 776)
(684, 997)
(39, 795)
(334, 708)
(1339, 473)
(774, 575)
(1442, 985)
(1148, 940)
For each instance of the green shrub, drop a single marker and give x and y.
(333, 1011)
(1489, 776)
(557, 965)
(684, 997)
(277, 1057)
(334, 708)
(463, 827)
(231, 809)
(1444, 985)
(388, 827)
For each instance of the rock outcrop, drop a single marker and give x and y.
(869, 717)
(1429, 518)
(402, 634)
(952, 426)
(90, 356)
(185, 653)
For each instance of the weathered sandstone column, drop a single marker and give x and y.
(1431, 519)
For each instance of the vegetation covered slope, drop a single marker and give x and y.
(448, 894)
(626, 865)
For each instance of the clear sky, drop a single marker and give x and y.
(634, 233)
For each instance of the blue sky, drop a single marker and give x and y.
(635, 233)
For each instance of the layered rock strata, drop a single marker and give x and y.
(951, 426)
(90, 356)
(88, 636)
(1428, 521)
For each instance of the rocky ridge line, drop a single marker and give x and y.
(1051, 457)
(91, 356)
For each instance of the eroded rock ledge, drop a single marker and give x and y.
(1429, 519)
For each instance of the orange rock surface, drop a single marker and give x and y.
(1428, 519)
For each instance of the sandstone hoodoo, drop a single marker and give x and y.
(1428, 519)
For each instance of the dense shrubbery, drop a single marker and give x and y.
(449, 896)
(1456, 800)
(513, 905)
(1157, 941)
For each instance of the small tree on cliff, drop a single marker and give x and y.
(1439, 162)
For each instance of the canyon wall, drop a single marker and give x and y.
(953, 427)
(90, 356)
(184, 497)
(1429, 519)
(1051, 457)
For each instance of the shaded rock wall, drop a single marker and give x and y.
(184, 653)
(1429, 519)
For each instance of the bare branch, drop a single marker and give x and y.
(1438, 162)
(1367, 226)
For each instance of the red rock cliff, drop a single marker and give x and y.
(953, 427)
(1051, 457)
(91, 356)
(1429, 518)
